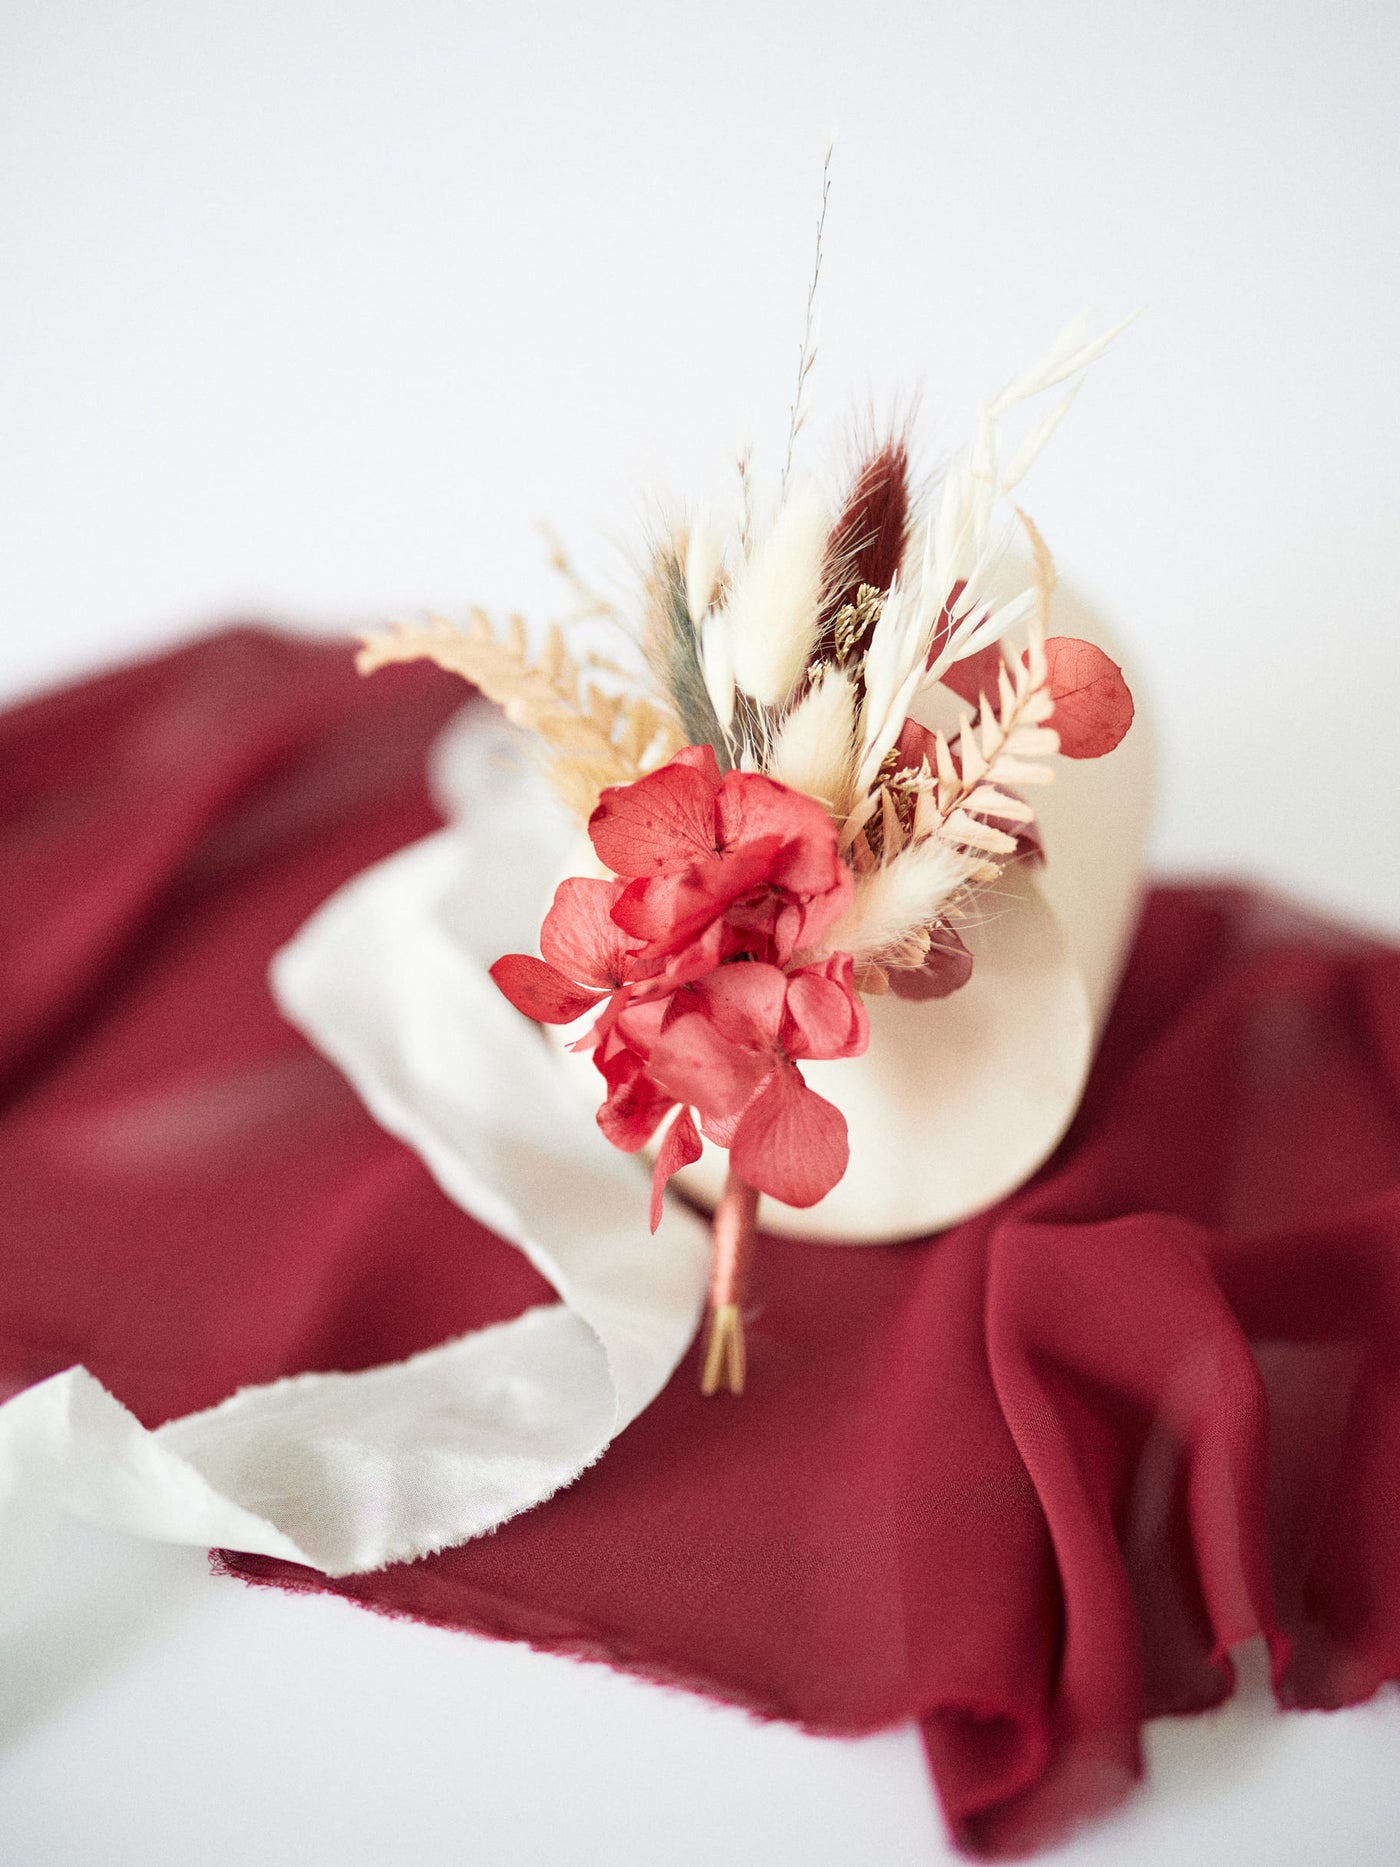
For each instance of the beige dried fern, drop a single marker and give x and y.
(938, 831)
(597, 738)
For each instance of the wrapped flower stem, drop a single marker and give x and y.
(735, 1216)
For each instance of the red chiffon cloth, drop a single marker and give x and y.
(1025, 1482)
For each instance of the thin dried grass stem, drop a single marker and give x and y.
(590, 602)
(807, 353)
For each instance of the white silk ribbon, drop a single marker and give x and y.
(347, 1472)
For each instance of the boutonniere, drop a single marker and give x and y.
(811, 774)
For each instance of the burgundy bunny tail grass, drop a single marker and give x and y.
(733, 1235)
(867, 540)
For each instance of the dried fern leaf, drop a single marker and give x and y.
(598, 739)
(968, 833)
(579, 782)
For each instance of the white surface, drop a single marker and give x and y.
(152, 1714)
(313, 310)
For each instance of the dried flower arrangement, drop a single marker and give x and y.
(779, 834)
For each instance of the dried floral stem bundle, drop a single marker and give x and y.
(781, 834)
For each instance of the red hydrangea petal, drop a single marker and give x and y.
(752, 807)
(1093, 708)
(639, 1026)
(790, 1142)
(947, 968)
(825, 909)
(719, 1128)
(663, 822)
(695, 1063)
(540, 991)
(716, 944)
(770, 925)
(825, 1017)
(699, 758)
(680, 1148)
(670, 911)
(635, 1102)
(745, 1003)
(580, 937)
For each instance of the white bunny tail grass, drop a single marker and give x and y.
(774, 604)
(813, 749)
(899, 899)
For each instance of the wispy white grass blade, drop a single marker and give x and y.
(975, 636)
(1027, 453)
(894, 670)
(1066, 357)
(772, 608)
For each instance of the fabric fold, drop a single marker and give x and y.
(1023, 1483)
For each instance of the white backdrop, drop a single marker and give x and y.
(313, 311)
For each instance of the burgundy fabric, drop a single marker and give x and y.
(1025, 1483)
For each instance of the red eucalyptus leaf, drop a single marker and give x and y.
(914, 746)
(1093, 708)
(681, 1147)
(1029, 847)
(540, 992)
(975, 675)
(790, 1142)
(947, 968)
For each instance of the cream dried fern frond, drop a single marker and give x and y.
(598, 738)
(1007, 744)
(955, 839)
